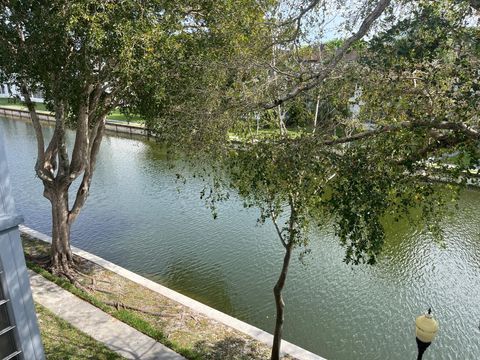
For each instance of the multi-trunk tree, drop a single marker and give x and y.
(90, 57)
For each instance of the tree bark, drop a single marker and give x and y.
(62, 258)
(281, 122)
(279, 303)
(316, 114)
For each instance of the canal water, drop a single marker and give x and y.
(139, 217)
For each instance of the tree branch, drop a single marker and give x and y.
(40, 163)
(273, 216)
(46, 176)
(302, 12)
(57, 139)
(460, 127)
(84, 187)
(64, 164)
(318, 77)
(80, 149)
(292, 220)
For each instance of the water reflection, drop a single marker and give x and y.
(184, 275)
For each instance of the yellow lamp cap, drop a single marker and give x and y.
(426, 327)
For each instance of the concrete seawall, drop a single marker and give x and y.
(252, 331)
(111, 125)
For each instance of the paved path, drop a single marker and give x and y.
(115, 334)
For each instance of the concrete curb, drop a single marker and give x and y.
(254, 332)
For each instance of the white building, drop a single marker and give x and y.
(19, 333)
(14, 92)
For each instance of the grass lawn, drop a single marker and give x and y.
(263, 134)
(117, 115)
(16, 104)
(62, 341)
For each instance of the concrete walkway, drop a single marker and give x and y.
(115, 334)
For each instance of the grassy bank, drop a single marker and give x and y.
(185, 331)
(62, 341)
(16, 104)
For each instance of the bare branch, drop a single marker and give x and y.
(57, 142)
(64, 164)
(369, 133)
(303, 12)
(80, 149)
(469, 132)
(318, 77)
(273, 216)
(461, 127)
(51, 152)
(94, 99)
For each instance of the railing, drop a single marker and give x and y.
(8, 348)
(111, 125)
(25, 114)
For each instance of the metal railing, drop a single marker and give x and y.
(8, 346)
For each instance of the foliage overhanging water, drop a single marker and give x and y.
(137, 218)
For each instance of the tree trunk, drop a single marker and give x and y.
(281, 122)
(316, 114)
(57, 172)
(280, 305)
(62, 258)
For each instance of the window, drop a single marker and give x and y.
(8, 348)
(37, 94)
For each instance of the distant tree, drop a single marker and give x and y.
(420, 83)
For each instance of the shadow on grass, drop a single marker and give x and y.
(66, 349)
(62, 341)
(230, 348)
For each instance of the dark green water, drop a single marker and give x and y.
(135, 217)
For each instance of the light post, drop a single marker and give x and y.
(426, 327)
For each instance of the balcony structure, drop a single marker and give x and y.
(19, 333)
